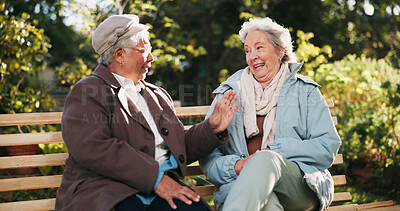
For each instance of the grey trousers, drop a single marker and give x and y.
(270, 182)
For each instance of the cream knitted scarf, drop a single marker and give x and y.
(256, 101)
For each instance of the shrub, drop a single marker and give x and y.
(366, 92)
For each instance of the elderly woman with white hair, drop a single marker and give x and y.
(282, 139)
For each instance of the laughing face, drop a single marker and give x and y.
(261, 57)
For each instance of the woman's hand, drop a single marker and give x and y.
(169, 189)
(224, 111)
(240, 164)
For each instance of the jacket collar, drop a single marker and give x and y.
(294, 68)
(104, 73)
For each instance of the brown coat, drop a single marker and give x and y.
(111, 146)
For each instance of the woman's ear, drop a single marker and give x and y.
(118, 54)
(282, 53)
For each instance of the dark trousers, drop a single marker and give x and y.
(132, 203)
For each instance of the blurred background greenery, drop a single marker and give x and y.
(350, 47)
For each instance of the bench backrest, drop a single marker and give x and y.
(36, 181)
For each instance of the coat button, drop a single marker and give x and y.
(181, 158)
(164, 131)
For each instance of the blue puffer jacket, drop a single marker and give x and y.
(305, 134)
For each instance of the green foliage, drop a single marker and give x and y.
(23, 53)
(167, 53)
(367, 97)
(223, 75)
(70, 73)
(312, 55)
(198, 33)
(373, 35)
(233, 42)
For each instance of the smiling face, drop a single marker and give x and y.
(262, 58)
(136, 61)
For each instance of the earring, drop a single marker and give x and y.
(280, 60)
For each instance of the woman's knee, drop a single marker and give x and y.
(266, 157)
(265, 162)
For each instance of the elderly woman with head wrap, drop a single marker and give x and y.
(127, 149)
(282, 139)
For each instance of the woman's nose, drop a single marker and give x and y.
(253, 55)
(150, 57)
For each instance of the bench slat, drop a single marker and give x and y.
(203, 191)
(193, 111)
(342, 197)
(30, 138)
(30, 118)
(330, 103)
(347, 207)
(13, 162)
(55, 117)
(339, 180)
(391, 208)
(33, 205)
(335, 121)
(375, 206)
(27, 183)
(338, 159)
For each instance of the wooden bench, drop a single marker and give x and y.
(36, 181)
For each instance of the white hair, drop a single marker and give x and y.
(278, 35)
(107, 57)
